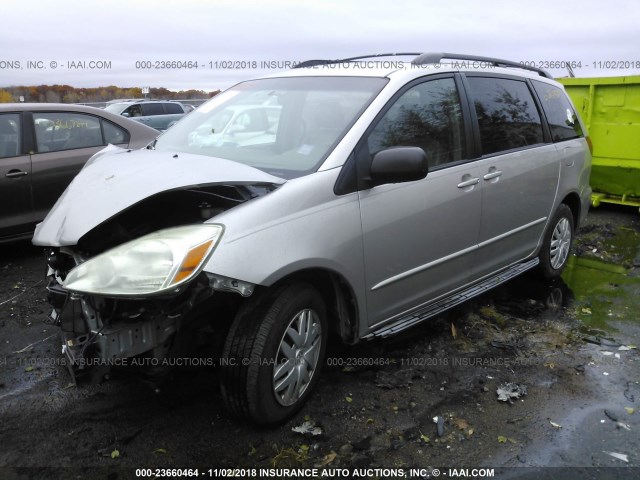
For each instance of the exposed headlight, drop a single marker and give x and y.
(151, 264)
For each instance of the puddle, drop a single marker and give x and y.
(604, 293)
(600, 287)
(605, 281)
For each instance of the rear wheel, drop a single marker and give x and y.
(273, 353)
(557, 243)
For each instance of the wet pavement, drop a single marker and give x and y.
(570, 343)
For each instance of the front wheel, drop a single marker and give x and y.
(557, 243)
(273, 353)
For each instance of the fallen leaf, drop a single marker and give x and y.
(159, 450)
(369, 421)
(29, 369)
(630, 410)
(115, 454)
(461, 424)
(555, 425)
(348, 399)
(586, 310)
(454, 332)
(327, 459)
(502, 439)
(304, 448)
(424, 438)
(470, 432)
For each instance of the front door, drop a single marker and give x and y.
(419, 237)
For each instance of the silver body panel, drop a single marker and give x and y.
(397, 246)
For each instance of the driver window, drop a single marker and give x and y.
(428, 116)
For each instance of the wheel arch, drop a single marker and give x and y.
(572, 200)
(339, 298)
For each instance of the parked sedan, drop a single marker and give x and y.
(42, 147)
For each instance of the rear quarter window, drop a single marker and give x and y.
(114, 134)
(173, 108)
(561, 117)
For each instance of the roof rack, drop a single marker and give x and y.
(428, 58)
(315, 63)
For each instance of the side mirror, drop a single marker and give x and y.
(399, 164)
(125, 114)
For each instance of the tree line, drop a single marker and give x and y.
(69, 94)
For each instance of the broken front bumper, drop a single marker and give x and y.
(100, 334)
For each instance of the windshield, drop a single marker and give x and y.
(283, 126)
(116, 107)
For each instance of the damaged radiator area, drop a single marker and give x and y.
(101, 333)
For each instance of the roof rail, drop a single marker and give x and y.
(427, 58)
(315, 63)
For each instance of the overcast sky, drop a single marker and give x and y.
(119, 33)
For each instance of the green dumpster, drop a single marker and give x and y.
(610, 107)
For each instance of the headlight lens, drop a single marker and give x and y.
(151, 264)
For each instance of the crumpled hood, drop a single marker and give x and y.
(115, 179)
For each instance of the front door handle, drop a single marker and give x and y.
(15, 173)
(469, 183)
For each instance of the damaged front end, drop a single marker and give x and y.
(100, 333)
(129, 301)
(131, 290)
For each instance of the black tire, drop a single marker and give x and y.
(252, 353)
(556, 246)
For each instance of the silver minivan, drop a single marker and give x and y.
(381, 193)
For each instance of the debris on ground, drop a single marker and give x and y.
(507, 391)
(555, 425)
(439, 421)
(602, 341)
(619, 456)
(308, 428)
(398, 379)
(611, 415)
(626, 348)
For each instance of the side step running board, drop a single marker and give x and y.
(457, 298)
